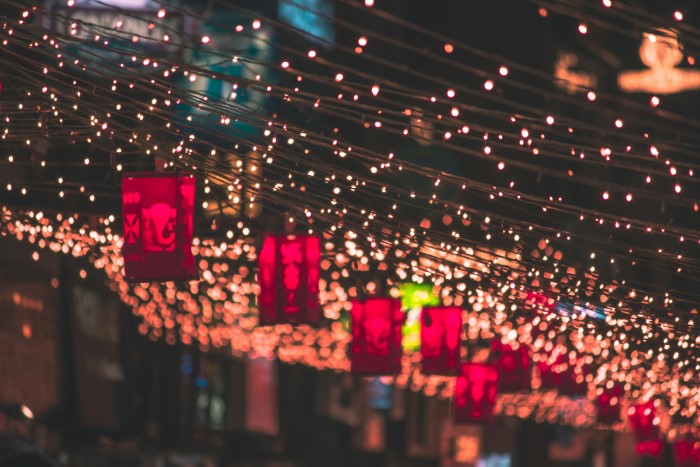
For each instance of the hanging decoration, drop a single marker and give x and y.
(475, 393)
(609, 404)
(158, 218)
(376, 336)
(440, 334)
(687, 452)
(289, 274)
(645, 425)
(473, 253)
(513, 363)
(564, 372)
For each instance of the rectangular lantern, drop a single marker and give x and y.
(609, 403)
(687, 452)
(567, 376)
(642, 420)
(158, 221)
(475, 393)
(376, 336)
(513, 366)
(440, 334)
(288, 274)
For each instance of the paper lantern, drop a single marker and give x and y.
(651, 448)
(440, 334)
(376, 336)
(158, 218)
(567, 376)
(475, 393)
(642, 418)
(513, 366)
(288, 274)
(609, 403)
(687, 452)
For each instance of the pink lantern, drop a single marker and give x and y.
(609, 403)
(641, 417)
(513, 366)
(475, 393)
(687, 453)
(376, 336)
(568, 376)
(650, 448)
(289, 270)
(440, 334)
(158, 218)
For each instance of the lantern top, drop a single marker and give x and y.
(154, 174)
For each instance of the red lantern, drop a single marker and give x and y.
(609, 405)
(376, 336)
(475, 394)
(566, 375)
(513, 366)
(687, 453)
(158, 218)
(651, 448)
(289, 270)
(641, 417)
(440, 334)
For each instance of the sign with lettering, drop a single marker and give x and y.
(662, 53)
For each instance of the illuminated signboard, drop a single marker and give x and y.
(234, 81)
(413, 298)
(311, 17)
(662, 53)
(569, 79)
(130, 24)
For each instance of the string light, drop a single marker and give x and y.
(453, 256)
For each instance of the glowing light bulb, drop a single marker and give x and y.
(339, 77)
(375, 90)
(362, 41)
(503, 71)
(677, 188)
(488, 85)
(606, 195)
(205, 40)
(161, 13)
(628, 197)
(454, 112)
(312, 54)
(618, 123)
(449, 48)
(450, 93)
(591, 96)
(582, 28)
(678, 15)
(256, 24)
(655, 101)
(369, 3)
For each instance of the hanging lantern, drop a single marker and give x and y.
(475, 393)
(566, 375)
(376, 336)
(687, 453)
(573, 380)
(289, 270)
(642, 418)
(158, 218)
(513, 366)
(609, 403)
(651, 448)
(440, 334)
